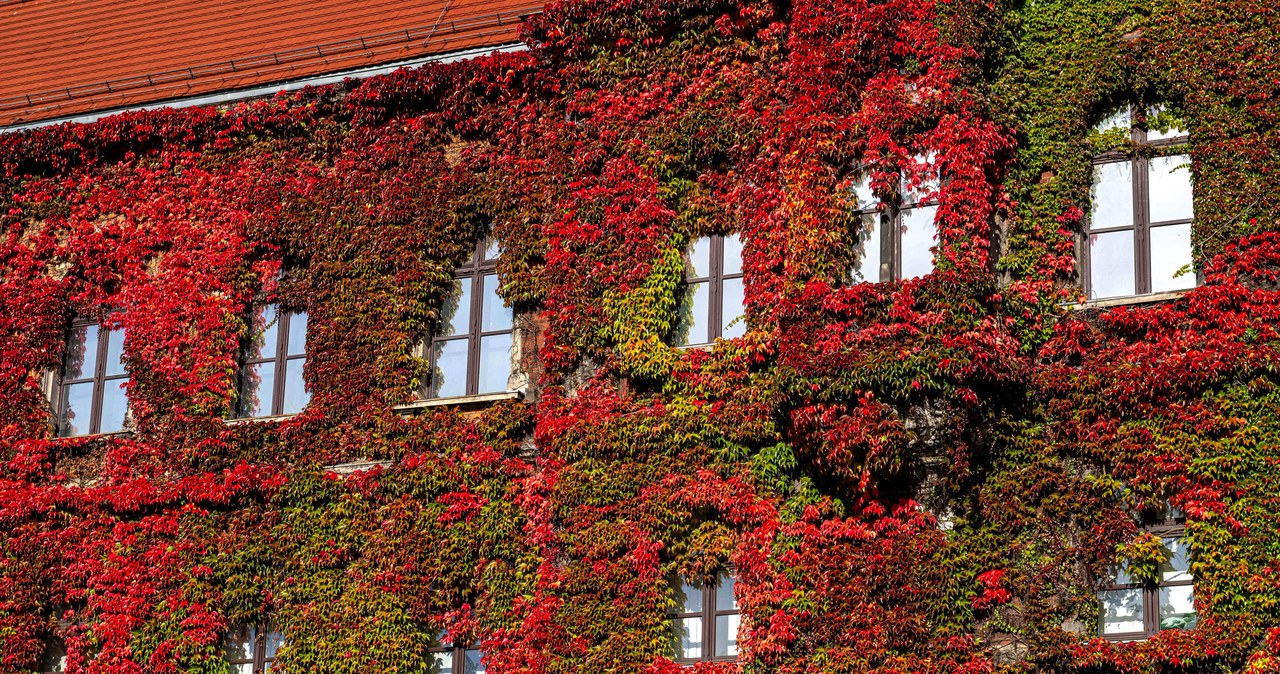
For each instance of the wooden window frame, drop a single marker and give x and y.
(708, 614)
(259, 658)
(458, 655)
(715, 287)
(1171, 527)
(890, 215)
(280, 361)
(1139, 166)
(474, 271)
(99, 379)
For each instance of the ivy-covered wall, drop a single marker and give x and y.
(923, 476)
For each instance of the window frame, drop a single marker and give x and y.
(889, 216)
(280, 361)
(708, 614)
(1139, 160)
(99, 380)
(258, 659)
(458, 655)
(474, 271)
(1171, 527)
(715, 281)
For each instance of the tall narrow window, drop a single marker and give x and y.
(1139, 230)
(895, 240)
(252, 649)
(457, 659)
(706, 620)
(712, 300)
(55, 657)
(1133, 609)
(271, 381)
(92, 391)
(470, 354)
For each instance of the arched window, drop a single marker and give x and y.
(91, 395)
(712, 300)
(271, 381)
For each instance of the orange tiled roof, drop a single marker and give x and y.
(70, 57)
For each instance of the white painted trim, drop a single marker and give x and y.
(1129, 300)
(457, 401)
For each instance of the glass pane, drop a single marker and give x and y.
(727, 635)
(55, 659)
(1170, 254)
(725, 599)
(1119, 119)
(115, 406)
(257, 390)
(451, 368)
(264, 332)
(1122, 611)
(1170, 184)
(495, 363)
(455, 313)
(697, 260)
(918, 236)
(1111, 265)
(444, 663)
(242, 668)
(492, 249)
(297, 334)
(82, 352)
(687, 638)
(735, 325)
(239, 645)
(693, 321)
(1177, 607)
(296, 395)
(867, 254)
(115, 352)
(493, 315)
(1111, 197)
(732, 254)
(862, 193)
(1121, 575)
(1154, 134)
(77, 410)
(474, 664)
(928, 189)
(275, 639)
(688, 599)
(1176, 567)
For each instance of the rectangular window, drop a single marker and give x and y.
(704, 626)
(471, 352)
(252, 649)
(457, 659)
(92, 392)
(712, 299)
(1133, 610)
(895, 240)
(1138, 239)
(271, 382)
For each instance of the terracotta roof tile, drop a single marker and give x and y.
(68, 57)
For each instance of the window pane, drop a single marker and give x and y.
(867, 254)
(1176, 567)
(444, 663)
(918, 235)
(1116, 120)
(1111, 265)
(725, 599)
(687, 638)
(239, 645)
(1177, 607)
(1156, 134)
(1122, 611)
(492, 249)
(275, 639)
(115, 352)
(455, 313)
(927, 190)
(1112, 195)
(1170, 184)
(735, 325)
(727, 635)
(82, 352)
(242, 668)
(688, 599)
(862, 192)
(1171, 253)
(77, 410)
(732, 254)
(1121, 575)
(264, 332)
(493, 316)
(115, 406)
(693, 321)
(296, 396)
(55, 659)
(450, 377)
(495, 363)
(474, 662)
(257, 390)
(697, 260)
(297, 334)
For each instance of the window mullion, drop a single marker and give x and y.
(473, 330)
(1142, 225)
(99, 380)
(282, 349)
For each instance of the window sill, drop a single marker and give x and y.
(258, 420)
(96, 436)
(481, 400)
(1131, 300)
(353, 467)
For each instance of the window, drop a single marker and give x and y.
(895, 240)
(92, 392)
(705, 624)
(458, 659)
(1138, 239)
(712, 301)
(271, 377)
(470, 353)
(1132, 609)
(252, 650)
(55, 657)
